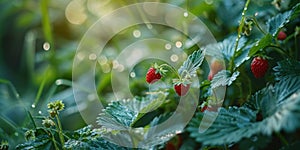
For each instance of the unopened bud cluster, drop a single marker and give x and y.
(53, 109)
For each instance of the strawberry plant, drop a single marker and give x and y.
(239, 92)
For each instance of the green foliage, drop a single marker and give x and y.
(42, 140)
(88, 138)
(224, 78)
(275, 24)
(225, 50)
(260, 44)
(279, 106)
(127, 112)
(192, 63)
(287, 69)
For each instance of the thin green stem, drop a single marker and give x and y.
(40, 90)
(54, 142)
(242, 22)
(279, 50)
(282, 139)
(258, 26)
(31, 118)
(296, 48)
(60, 132)
(171, 68)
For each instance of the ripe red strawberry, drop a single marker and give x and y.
(209, 108)
(259, 67)
(152, 75)
(181, 89)
(204, 108)
(175, 143)
(281, 35)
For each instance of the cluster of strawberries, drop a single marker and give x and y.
(259, 67)
(155, 73)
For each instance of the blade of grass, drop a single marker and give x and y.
(46, 21)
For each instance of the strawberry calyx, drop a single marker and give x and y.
(159, 69)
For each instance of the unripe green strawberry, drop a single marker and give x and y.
(259, 67)
(281, 36)
(152, 75)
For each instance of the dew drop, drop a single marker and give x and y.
(58, 82)
(40, 112)
(149, 26)
(46, 46)
(185, 14)
(33, 106)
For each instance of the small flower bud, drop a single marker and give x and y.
(29, 135)
(48, 123)
(52, 113)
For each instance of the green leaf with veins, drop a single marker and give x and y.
(225, 50)
(125, 113)
(192, 63)
(88, 138)
(224, 78)
(120, 116)
(287, 68)
(42, 140)
(275, 23)
(235, 124)
(279, 105)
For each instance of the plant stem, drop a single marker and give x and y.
(282, 138)
(54, 142)
(60, 133)
(258, 26)
(296, 48)
(40, 90)
(171, 68)
(279, 50)
(242, 22)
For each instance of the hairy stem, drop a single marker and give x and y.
(60, 132)
(242, 22)
(258, 26)
(171, 68)
(282, 138)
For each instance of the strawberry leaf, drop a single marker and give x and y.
(42, 140)
(120, 116)
(287, 68)
(279, 105)
(192, 63)
(275, 24)
(223, 78)
(88, 138)
(225, 50)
